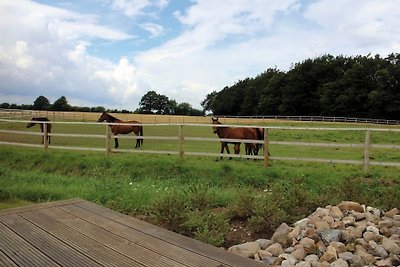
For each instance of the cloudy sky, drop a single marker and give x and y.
(111, 52)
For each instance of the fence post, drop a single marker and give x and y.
(367, 145)
(181, 141)
(45, 137)
(108, 137)
(266, 147)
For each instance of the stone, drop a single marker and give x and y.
(348, 220)
(374, 211)
(358, 216)
(281, 235)
(339, 246)
(373, 229)
(264, 254)
(311, 257)
(309, 245)
(248, 249)
(392, 212)
(339, 263)
(336, 213)
(275, 249)
(264, 243)
(390, 246)
(349, 205)
(303, 264)
(368, 236)
(321, 225)
(346, 256)
(321, 212)
(365, 256)
(384, 263)
(330, 255)
(299, 253)
(302, 223)
(268, 260)
(329, 236)
(378, 250)
(289, 258)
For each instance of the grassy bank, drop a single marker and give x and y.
(205, 198)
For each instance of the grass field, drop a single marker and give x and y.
(202, 197)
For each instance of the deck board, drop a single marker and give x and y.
(80, 233)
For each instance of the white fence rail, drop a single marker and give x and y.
(180, 138)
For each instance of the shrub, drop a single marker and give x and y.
(170, 211)
(208, 227)
(199, 196)
(267, 215)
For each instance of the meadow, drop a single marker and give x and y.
(221, 202)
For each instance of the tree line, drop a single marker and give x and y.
(360, 86)
(61, 104)
(150, 103)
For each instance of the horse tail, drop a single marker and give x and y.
(260, 133)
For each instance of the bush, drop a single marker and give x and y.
(170, 211)
(208, 227)
(268, 215)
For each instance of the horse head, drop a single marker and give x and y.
(103, 117)
(215, 121)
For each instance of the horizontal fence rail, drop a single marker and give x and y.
(180, 138)
(153, 118)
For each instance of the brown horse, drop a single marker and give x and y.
(234, 133)
(38, 120)
(123, 129)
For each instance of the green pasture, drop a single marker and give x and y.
(200, 196)
(293, 135)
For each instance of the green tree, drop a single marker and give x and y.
(152, 102)
(61, 104)
(208, 102)
(41, 103)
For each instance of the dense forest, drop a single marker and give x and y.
(361, 86)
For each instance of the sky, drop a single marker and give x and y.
(112, 52)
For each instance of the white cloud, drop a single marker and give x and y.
(121, 80)
(51, 51)
(154, 29)
(134, 8)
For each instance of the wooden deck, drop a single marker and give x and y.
(80, 233)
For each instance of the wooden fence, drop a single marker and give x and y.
(180, 141)
(154, 118)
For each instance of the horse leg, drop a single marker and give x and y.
(116, 142)
(237, 148)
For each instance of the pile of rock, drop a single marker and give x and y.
(348, 234)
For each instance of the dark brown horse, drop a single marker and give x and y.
(39, 120)
(123, 129)
(234, 133)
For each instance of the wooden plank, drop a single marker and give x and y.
(112, 240)
(60, 252)
(41, 206)
(89, 248)
(15, 251)
(195, 246)
(5, 261)
(149, 242)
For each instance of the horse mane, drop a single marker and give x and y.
(112, 117)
